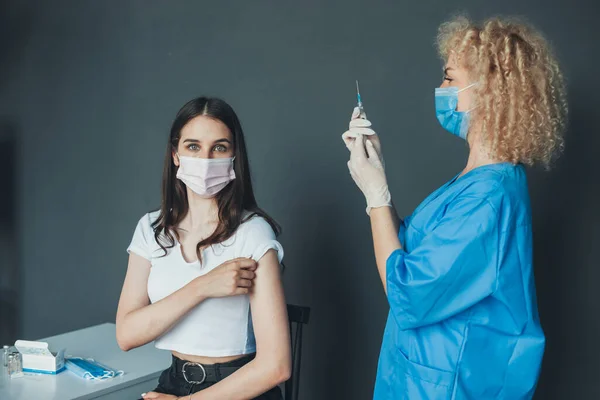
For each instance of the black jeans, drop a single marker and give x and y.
(173, 381)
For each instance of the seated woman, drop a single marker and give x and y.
(203, 279)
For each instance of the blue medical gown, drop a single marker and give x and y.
(463, 320)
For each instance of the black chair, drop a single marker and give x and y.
(297, 316)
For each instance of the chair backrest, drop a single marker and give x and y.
(297, 316)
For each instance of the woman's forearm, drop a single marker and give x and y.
(249, 382)
(147, 323)
(384, 225)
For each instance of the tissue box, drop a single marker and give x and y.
(38, 358)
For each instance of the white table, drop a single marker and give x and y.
(142, 368)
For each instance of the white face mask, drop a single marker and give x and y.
(205, 176)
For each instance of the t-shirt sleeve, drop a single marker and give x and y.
(142, 237)
(260, 238)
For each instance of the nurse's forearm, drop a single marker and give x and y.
(384, 225)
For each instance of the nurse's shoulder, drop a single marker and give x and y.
(504, 188)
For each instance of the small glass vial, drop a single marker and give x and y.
(5, 355)
(15, 364)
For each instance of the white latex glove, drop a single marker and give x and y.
(367, 167)
(359, 125)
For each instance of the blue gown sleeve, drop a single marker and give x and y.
(452, 268)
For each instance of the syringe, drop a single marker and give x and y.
(359, 102)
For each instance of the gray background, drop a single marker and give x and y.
(87, 94)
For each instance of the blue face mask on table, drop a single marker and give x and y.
(90, 369)
(446, 101)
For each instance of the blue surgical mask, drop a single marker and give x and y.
(446, 100)
(90, 369)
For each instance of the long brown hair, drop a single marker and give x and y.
(236, 198)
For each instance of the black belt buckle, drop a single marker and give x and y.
(196, 365)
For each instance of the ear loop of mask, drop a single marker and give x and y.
(465, 88)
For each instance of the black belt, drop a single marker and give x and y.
(197, 373)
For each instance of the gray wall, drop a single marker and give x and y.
(90, 89)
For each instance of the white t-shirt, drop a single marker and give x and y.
(217, 327)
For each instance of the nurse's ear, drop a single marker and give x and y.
(175, 157)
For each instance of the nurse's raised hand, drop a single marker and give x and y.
(366, 168)
(359, 126)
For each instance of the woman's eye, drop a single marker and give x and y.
(220, 148)
(447, 78)
(193, 147)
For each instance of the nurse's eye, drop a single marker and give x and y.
(193, 147)
(220, 148)
(447, 78)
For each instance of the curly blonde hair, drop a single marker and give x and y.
(522, 107)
